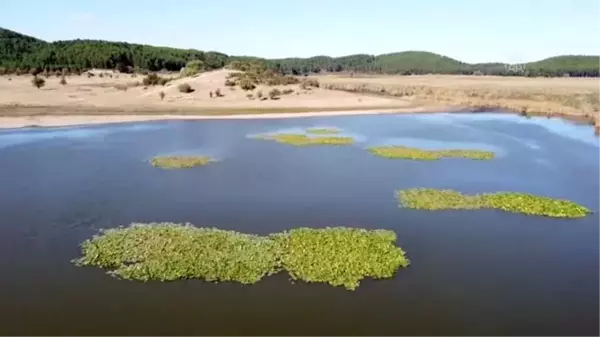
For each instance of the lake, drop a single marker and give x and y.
(483, 272)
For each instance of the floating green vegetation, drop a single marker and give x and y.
(403, 152)
(322, 131)
(166, 251)
(433, 199)
(304, 140)
(340, 256)
(176, 162)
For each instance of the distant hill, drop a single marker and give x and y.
(20, 52)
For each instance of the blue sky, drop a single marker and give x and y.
(509, 31)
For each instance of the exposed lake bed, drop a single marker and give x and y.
(472, 271)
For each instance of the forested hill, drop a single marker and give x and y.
(20, 53)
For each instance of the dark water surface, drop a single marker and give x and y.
(472, 272)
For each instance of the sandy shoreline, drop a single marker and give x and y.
(72, 120)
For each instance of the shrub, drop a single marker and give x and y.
(3, 71)
(34, 71)
(246, 84)
(250, 96)
(218, 93)
(185, 88)
(211, 94)
(287, 91)
(121, 87)
(306, 84)
(193, 67)
(162, 95)
(57, 73)
(63, 81)
(151, 79)
(38, 82)
(259, 94)
(229, 83)
(274, 94)
(101, 75)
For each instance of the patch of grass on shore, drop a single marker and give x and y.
(166, 251)
(434, 199)
(304, 140)
(403, 152)
(340, 256)
(322, 131)
(178, 162)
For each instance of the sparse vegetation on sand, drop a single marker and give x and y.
(177, 162)
(403, 152)
(434, 199)
(166, 251)
(252, 74)
(304, 140)
(576, 99)
(322, 131)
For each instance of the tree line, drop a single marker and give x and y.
(22, 53)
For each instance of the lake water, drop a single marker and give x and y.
(483, 272)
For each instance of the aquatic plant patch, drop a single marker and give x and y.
(322, 131)
(167, 252)
(403, 152)
(304, 140)
(178, 162)
(434, 199)
(338, 256)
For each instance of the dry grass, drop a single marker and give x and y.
(529, 96)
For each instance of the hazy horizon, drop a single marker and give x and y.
(508, 31)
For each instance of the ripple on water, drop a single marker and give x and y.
(557, 126)
(13, 137)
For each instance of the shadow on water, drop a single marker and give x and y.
(483, 272)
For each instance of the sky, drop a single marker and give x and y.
(510, 31)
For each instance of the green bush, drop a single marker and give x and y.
(185, 88)
(154, 79)
(274, 94)
(246, 84)
(38, 82)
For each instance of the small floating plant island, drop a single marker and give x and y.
(180, 162)
(339, 256)
(322, 131)
(403, 152)
(434, 199)
(304, 140)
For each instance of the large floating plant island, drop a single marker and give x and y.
(442, 199)
(403, 152)
(339, 256)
